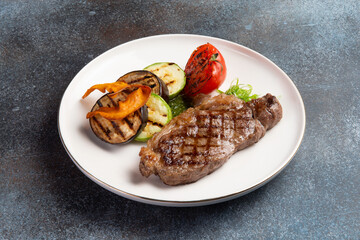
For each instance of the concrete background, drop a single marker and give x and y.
(43, 44)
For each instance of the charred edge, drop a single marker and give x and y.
(143, 79)
(149, 82)
(201, 69)
(235, 125)
(137, 114)
(112, 102)
(210, 145)
(181, 146)
(223, 124)
(117, 129)
(169, 83)
(197, 153)
(148, 77)
(127, 91)
(204, 66)
(129, 123)
(208, 126)
(194, 86)
(156, 124)
(105, 131)
(222, 116)
(166, 142)
(99, 103)
(214, 126)
(198, 55)
(196, 138)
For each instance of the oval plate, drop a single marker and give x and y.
(116, 167)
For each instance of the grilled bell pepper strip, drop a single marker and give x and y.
(110, 87)
(133, 102)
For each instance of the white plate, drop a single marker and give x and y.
(115, 167)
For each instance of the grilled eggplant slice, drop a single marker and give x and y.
(118, 131)
(147, 78)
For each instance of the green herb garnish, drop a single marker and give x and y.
(242, 91)
(178, 105)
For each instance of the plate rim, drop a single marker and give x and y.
(186, 203)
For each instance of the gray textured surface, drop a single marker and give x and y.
(43, 44)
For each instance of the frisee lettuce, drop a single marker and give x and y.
(242, 91)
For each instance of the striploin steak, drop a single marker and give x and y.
(201, 139)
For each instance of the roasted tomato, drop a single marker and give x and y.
(205, 70)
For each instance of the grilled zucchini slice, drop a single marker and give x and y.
(173, 76)
(159, 114)
(118, 131)
(149, 79)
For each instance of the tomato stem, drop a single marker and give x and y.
(214, 59)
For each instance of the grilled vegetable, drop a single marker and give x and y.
(120, 130)
(242, 91)
(149, 79)
(133, 102)
(159, 114)
(171, 74)
(205, 70)
(178, 105)
(110, 87)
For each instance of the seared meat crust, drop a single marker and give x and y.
(201, 139)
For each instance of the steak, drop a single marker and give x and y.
(201, 139)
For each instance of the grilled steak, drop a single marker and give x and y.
(201, 139)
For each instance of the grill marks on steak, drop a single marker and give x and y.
(201, 139)
(193, 144)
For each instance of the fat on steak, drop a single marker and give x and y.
(201, 139)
